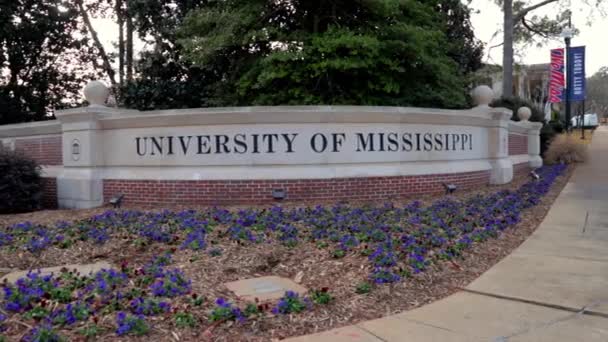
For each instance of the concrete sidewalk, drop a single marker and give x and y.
(554, 287)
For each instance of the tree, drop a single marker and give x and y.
(465, 48)
(520, 25)
(107, 63)
(120, 20)
(597, 93)
(43, 59)
(120, 10)
(391, 52)
(164, 79)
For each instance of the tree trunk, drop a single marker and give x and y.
(507, 56)
(104, 56)
(121, 41)
(129, 44)
(509, 24)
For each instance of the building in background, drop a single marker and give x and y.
(530, 82)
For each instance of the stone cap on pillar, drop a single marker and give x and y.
(482, 96)
(96, 93)
(524, 114)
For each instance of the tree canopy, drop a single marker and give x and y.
(367, 52)
(202, 53)
(44, 59)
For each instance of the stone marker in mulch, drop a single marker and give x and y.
(264, 288)
(85, 269)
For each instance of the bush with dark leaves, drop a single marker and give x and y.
(20, 183)
(514, 103)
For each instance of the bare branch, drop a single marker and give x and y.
(529, 9)
(495, 46)
(102, 51)
(533, 30)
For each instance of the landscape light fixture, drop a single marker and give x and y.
(279, 194)
(116, 201)
(534, 175)
(449, 188)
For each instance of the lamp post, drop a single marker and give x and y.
(567, 34)
(583, 123)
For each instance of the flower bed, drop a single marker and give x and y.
(170, 265)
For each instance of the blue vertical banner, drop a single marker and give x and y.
(576, 62)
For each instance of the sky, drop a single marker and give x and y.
(487, 21)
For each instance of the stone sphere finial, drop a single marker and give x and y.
(482, 96)
(524, 113)
(96, 93)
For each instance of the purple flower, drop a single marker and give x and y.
(221, 302)
(291, 303)
(382, 275)
(348, 242)
(72, 313)
(173, 283)
(2, 319)
(225, 311)
(128, 324)
(195, 240)
(5, 239)
(43, 332)
(148, 307)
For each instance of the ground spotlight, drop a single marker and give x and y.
(116, 201)
(534, 175)
(449, 188)
(279, 194)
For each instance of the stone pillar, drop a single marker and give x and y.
(7, 144)
(80, 185)
(536, 160)
(498, 136)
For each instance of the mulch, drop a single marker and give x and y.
(241, 261)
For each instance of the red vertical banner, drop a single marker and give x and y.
(556, 85)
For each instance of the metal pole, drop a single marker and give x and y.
(583, 123)
(568, 84)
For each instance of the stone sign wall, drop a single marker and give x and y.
(290, 144)
(235, 155)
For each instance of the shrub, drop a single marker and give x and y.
(547, 133)
(20, 183)
(567, 149)
(557, 126)
(514, 103)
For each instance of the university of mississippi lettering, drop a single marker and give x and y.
(241, 143)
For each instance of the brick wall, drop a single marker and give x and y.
(521, 170)
(46, 151)
(518, 144)
(49, 197)
(150, 192)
